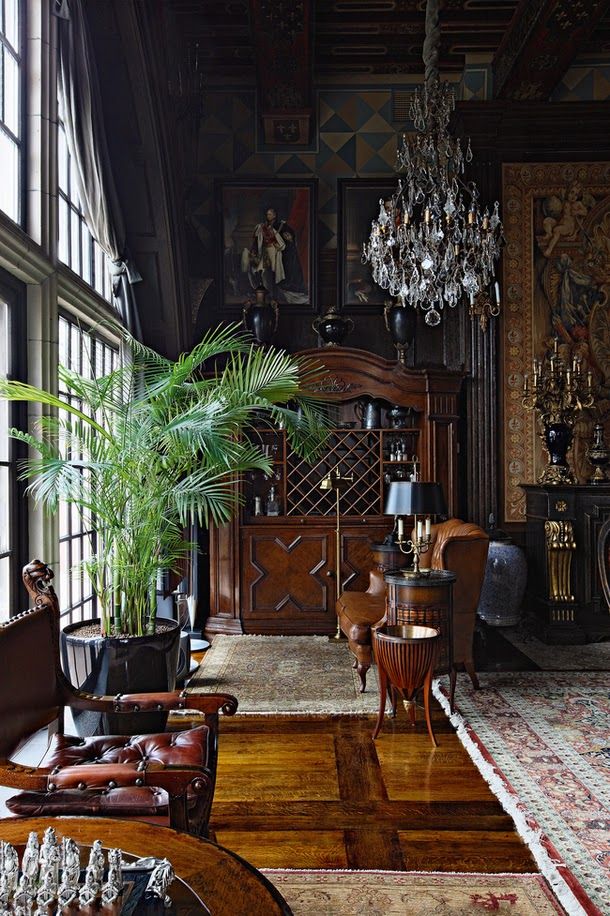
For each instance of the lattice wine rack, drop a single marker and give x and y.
(354, 453)
(370, 457)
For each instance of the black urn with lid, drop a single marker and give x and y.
(333, 327)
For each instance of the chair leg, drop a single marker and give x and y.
(469, 666)
(383, 686)
(427, 690)
(362, 670)
(178, 813)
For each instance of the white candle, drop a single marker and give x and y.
(420, 530)
(428, 527)
(400, 529)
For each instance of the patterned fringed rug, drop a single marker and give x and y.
(286, 675)
(542, 742)
(382, 893)
(591, 657)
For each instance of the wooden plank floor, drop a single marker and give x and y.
(295, 792)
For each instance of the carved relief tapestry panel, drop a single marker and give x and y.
(556, 284)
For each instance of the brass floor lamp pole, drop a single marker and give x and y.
(334, 481)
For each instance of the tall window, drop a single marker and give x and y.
(77, 247)
(10, 108)
(82, 352)
(12, 507)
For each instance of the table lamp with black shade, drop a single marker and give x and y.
(416, 498)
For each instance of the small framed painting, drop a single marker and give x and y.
(267, 239)
(359, 203)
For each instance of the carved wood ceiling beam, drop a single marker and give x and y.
(540, 45)
(282, 31)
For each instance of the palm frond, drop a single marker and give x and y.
(155, 443)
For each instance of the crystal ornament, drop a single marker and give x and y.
(433, 244)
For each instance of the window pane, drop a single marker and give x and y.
(11, 23)
(4, 405)
(85, 256)
(4, 424)
(9, 176)
(86, 354)
(64, 231)
(64, 332)
(62, 159)
(100, 267)
(75, 244)
(75, 334)
(73, 188)
(7, 523)
(4, 511)
(11, 93)
(5, 588)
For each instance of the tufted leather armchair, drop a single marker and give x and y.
(168, 776)
(456, 545)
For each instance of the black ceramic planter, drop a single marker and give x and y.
(119, 664)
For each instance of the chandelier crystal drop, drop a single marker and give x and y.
(433, 242)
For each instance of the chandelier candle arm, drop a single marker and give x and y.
(417, 544)
(433, 244)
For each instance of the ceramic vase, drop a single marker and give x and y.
(503, 585)
(400, 322)
(260, 317)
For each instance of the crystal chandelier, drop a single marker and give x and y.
(432, 243)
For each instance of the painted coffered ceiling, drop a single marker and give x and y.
(531, 42)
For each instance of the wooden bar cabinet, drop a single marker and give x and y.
(273, 569)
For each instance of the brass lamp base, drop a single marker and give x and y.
(414, 573)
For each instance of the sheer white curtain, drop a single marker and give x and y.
(82, 115)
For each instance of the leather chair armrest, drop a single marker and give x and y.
(376, 583)
(23, 777)
(209, 703)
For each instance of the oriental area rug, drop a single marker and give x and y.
(541, 739)
(382, 893)
(286, 675)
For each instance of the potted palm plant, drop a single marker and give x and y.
(139, 453)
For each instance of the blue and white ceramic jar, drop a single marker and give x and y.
(504, 583)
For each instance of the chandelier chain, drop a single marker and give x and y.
(432, 43)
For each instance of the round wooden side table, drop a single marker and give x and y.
(406, 656)
(424, 600)
(223, 882)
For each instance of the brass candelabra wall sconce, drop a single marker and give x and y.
(415, 498)
(560, 390)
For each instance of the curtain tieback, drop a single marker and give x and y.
(122, 266)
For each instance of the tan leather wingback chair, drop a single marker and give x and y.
(456, 545)
(461, 547)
